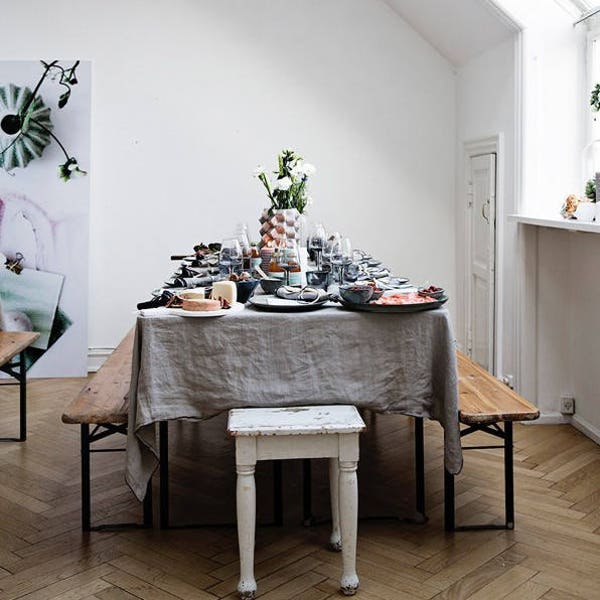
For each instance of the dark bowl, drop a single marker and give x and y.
(270, 286)
(437, 294)
(356, 293)
(377, 293)
(245, 289)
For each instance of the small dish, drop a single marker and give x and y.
(270, 285)
(432, 291)
(245, 289)
(356, 293)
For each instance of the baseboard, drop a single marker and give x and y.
(96, 358)
(586, 428)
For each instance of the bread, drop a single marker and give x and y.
(201, 304)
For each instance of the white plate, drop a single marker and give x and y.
(236, 307)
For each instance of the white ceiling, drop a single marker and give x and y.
(459, 29)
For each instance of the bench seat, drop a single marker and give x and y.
(13, 343)
(484, 401)
(104, 404)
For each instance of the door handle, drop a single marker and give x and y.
(486, 203)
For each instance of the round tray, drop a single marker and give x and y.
(274, 304)
(398, 308)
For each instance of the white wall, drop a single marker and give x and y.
(189, 95)
(486, 107)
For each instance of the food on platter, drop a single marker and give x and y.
(399, 299)
(195, 295)
(243, 276)
(226, 290)
(201, 305)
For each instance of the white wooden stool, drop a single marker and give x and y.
(300, 432)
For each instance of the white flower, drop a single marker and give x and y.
(308, 169)
(283, 184)
(259, 171)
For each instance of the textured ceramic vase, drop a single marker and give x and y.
(281, 223)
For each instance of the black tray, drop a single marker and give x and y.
(257, 302)
(399, 308)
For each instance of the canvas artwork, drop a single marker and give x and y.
(44, 208)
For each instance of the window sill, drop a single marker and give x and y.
(555, 223)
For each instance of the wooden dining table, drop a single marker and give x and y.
(195, 368)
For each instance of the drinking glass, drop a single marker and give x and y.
(288, 257)
(316, 244)
(230, 257)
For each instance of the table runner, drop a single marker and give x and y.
(195, 368)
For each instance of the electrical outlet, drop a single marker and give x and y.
(567, 405)
(509, 380)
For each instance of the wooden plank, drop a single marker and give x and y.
(13, 342)
(104, 399)
(484, 399)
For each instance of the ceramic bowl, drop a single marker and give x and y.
(437, 294)
(245, 289)
(377, 293)
(270, 286)
(356, 293)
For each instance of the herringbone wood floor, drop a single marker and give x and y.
(553, 553)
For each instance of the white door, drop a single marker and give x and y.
(481, 264)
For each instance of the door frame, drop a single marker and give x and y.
(492, 144)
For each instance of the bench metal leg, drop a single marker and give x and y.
(18, 371)
(506, 435)
(509, 487)
(85, 478)
(22, 398)
(87, 439)
(163, 441)
(448, 501)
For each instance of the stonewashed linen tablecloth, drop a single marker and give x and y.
(195, 368)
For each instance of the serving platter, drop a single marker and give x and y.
(236, 307)
(271, 303)
(393, 308)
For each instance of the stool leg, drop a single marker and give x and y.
(22, 398)
(246, 525)
(348, 491)
(335, 541)
(509, 490)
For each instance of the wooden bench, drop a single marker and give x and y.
(13, 343)
(484, 401)
(104, 403)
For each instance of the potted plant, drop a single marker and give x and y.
(288, 194)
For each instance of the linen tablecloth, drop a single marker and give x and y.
(195, 368)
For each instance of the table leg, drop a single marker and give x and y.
(335, 541)
(246, 525)
(163, 443)
(348, 491)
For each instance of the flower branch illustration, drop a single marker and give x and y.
(25, 125)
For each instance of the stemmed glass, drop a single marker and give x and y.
(230, 256)
(288, 257)
(316, 244)
(340, 255)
